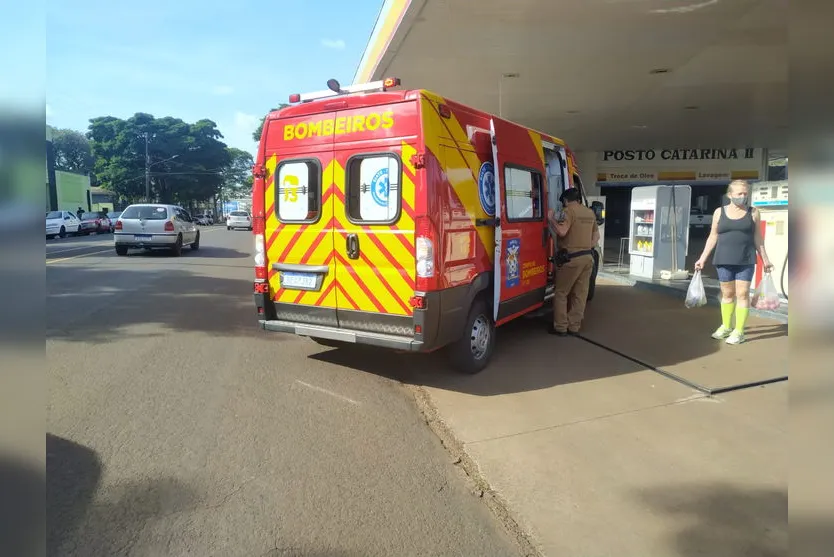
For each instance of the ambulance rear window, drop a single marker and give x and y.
(298, 191)
(373, 188)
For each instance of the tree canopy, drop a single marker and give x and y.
(188, 162)
(256, 135)
(72, 151)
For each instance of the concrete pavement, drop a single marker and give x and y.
(176, 427)
(597, 455)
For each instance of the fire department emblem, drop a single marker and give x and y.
(486, 188)
(379, 188)
(513, 267)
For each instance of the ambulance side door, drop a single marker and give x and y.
(521, 238)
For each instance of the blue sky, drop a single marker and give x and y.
(226, 61)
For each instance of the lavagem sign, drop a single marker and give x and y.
(339, 126)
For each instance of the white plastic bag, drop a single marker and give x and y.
(696, 296)
(766, 296)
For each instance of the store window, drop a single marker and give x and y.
(298, 191)
(374, 188)
(522, 194)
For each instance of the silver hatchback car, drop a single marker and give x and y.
(155, 226)
(239, 219)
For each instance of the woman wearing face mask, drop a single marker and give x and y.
(736, 238)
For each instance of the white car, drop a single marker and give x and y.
(155, 226)
(239, 219)
(61, 223)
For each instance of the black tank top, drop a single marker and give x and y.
(736, 240)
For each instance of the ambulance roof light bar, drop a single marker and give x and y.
(334, 89)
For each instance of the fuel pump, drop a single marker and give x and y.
(771, 199)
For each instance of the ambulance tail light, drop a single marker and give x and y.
(260, 257)
(425, 253)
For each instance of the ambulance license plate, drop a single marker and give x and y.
(301, 281)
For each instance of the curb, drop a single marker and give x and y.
(480, 487)
(671, 291)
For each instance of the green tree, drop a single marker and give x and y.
(237, 178)
(72, 151)
(256, 135)
(187, 161)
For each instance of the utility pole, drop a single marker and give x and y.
(147, 172)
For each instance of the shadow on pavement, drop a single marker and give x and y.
(211, 252)
(110, 524)
(98, 304)
(654, 329)
(723, 520)
(22, 519)
(73, 473)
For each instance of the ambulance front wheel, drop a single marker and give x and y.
(472, 352)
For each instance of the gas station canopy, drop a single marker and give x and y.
(601, 74)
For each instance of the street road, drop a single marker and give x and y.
(175, 426)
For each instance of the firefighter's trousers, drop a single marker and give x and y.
(571, 282)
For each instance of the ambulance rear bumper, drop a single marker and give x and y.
(344, 335)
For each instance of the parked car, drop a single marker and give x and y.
(61, 223)
(95, 221)
(155, 226)
(204, 219)
(113, 216)
(239, 219)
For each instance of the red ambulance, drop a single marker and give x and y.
(403, 220)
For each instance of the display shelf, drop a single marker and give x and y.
(642, 236)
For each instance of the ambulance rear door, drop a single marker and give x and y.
(521, 236)
(374, 217)
(299, 227)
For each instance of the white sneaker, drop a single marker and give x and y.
(735, 337)
(721, 332)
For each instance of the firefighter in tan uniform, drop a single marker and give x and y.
(576, 234)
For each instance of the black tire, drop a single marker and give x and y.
(196, 245)
(121, 250)
(592, 286)
(471, 353)
(62, 233)
(228, 228)
(176, 250)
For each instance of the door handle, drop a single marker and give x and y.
(352, 246)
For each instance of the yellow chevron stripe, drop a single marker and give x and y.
(536, 138)
(361, 270)
(462, 164)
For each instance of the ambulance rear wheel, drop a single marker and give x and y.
(471, 353)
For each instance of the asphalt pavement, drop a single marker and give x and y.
(177, 427)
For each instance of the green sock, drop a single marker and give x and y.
(727, 310)
(741, 318)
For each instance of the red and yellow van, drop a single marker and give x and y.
(402, 219)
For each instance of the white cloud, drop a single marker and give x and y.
(337, 44)
(223, 90)
(49, 111)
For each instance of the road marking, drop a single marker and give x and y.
(325, 391)
(88, 246)
(50, 261)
